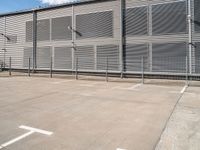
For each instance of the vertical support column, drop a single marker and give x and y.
(142, 69)
(76, 74)
(34, 40)
(122, 35)
(73, 40)
(190, 36)
(106, 69)
(150, 33)
(186, 71)
(51, 66)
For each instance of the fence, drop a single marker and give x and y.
(144, 70)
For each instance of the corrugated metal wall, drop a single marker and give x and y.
(153, 30)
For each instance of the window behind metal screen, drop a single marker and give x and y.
(98, 24)
(169, 18)
(29, 31)
(197, 15)
(43, 30)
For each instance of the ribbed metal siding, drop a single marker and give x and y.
(197, 57)
(197, 15)
(60, 28)
(133, 56)
(136, 21)
(85, 55)
(110, 52)
(43, 57)
(2, 23)
(98, 24)
(28, 53)
(43, 30)
(62, 58)
(169, 18)
(169, 57)
(12, 38)
(29, 31)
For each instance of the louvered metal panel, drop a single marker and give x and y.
(85, 55)
(133, 55)
(197, 15)
(197, 57)
(43, 57)
(169, 18)
(29, 31)
(169, 57)
(110, 52)
(62, 58)
(98, 24)
(43, 30)
(28, 53)
(136, 21)
(60, 29)
(2, 26)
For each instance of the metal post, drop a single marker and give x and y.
(106, 69)
(190, 36)
(34, 40)
(186, 71)
(76, 68)
(142, 69)
(29, 66)
(10, 66)
(51, 65)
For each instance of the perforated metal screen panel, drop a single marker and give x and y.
(60, 29)
(98, 24)
(169, 57)
(110, 52)
(136, 21)
(62, 58)
(85, 55)
(12, 39)
(43, 57)
(29, 31)
(197, 15)
(197, 57)
(169, 18)
(28, 53)
(43, 30)
(133, 55)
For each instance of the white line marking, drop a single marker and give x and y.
(135, 86)
(36, 130)
(120, 149)
(31, 131)
(16, 139)
(183, 90)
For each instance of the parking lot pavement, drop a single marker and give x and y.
(183, 130)
(83, 115)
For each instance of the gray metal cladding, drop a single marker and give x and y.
(28, 53)
(12, 39)
(197, 57)
(63, 58)
(85, 56)
(133, 55)
(43, 30)
(136, 21)
(169, 57)
(60, 29)
(110, 54)
(43, 57)
(92, 25)
(197, 15)
(169, 18)
(29, 31)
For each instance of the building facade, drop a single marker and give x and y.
(118, 35)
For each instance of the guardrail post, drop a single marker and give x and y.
(76, 73)
(10, 65)
(51, 66)
(29, 66)
(186, 71)
(106, 69)
(142, 69)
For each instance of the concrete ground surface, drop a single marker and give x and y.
(95, 115)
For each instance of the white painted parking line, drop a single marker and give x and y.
(183, 89)
(31, 131)
(135, 86)
(120, 149)
(36, 130)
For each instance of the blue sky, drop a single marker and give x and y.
(14, 5)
